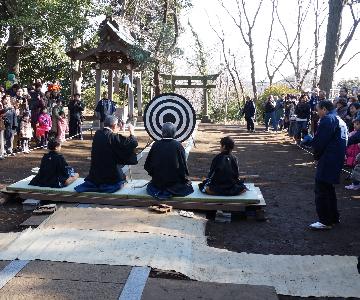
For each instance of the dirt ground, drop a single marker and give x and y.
(286, 178)
(12, 169)
(287, 183)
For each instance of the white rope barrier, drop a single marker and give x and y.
(345, 171)
(41, 147)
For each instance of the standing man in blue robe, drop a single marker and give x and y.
(329, 145)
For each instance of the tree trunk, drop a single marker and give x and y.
(252, 60)
(332, 44)
(76, 71)
(77, 78)
(316, 44)
(157, 81)
(14, 45)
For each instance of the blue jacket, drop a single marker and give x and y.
(329, 146)
(105, 107)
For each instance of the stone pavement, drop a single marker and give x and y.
(59, 280)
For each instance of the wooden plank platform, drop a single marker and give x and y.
(134, 194)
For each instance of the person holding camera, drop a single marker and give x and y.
(76, 108)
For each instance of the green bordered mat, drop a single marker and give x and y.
(136, 189)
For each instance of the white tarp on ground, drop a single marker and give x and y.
(128, 220)
(187, 253)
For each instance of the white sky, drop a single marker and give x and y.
(205, 11)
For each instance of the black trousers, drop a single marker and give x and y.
(326, 203)
(250, 125)
(75, 128)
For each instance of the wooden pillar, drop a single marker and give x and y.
(110, 85)
(117, 82)
(205, 118)
(139, 95)
(98, 75)
(131, 96)
(151, 92)
(98, 85)
(173, 82)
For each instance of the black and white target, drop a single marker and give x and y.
(172, 108)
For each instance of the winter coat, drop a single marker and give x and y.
(44, 125)
(34, 101)
(279, 109)
(105, 107)
(75, 110)
(351, 152)
(329, 146)
(35, 109)
(342, 112)
(249, 109)
(62, 128)
(10, 119)
(55, 117)
(25, 129)
(269, 106)
(314, 100)
(354, 138)
(302, 111)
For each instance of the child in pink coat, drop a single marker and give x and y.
(353, 150)
(43, 127)
(62, 127)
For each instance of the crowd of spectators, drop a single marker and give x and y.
(297, 114)
(33, 115)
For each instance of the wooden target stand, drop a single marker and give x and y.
(193, 82)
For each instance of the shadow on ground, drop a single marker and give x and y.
(287, 182)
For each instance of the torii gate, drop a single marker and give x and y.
(204, 84)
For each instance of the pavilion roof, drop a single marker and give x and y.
(117, 49)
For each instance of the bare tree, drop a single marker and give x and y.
(160, 40)
(226, 60)
(236, 70)
(356, 21)
(296, 59)
(319, 22)
(349, 60)
(246, 31)
(332, 44)
(349, 37)
(201, 55)
(269, 62)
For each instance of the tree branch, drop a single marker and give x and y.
(344, 45)
(349, 60)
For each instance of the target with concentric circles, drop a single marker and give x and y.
(172, 108)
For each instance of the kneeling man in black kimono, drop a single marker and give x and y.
(110, 151)
(166, 164)
(54, 171)
(223, 178)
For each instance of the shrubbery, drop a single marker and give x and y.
(275, 90)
